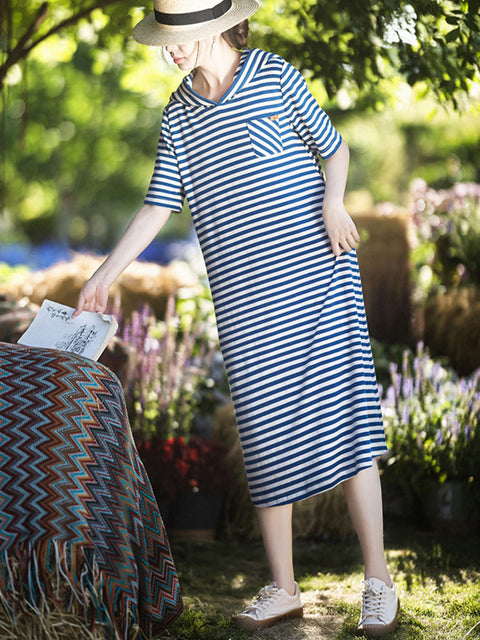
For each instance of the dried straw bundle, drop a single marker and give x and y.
(383, 256)
(452, 328)
(141, 282)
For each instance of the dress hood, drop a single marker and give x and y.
(250, 61)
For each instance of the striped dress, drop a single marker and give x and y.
(290, 315)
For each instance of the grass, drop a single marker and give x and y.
(437, 577)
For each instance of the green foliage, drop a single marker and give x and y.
(350, 41)
(25, 25)
(408, 139)
(360, 43)
(6, 272)
(82, 107)
(448, 225)
(79, 146)
(384, 354)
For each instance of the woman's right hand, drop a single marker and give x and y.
(92, 297)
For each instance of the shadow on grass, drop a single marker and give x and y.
(439, 556)
(438, 574)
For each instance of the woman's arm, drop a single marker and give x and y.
(140, 232)
(340, 227)
(314, 127)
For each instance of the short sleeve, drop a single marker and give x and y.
(307, 117)
(166, 189)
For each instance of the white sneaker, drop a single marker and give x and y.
(271, 605)
(380, 607)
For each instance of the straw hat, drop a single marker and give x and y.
(174, 22)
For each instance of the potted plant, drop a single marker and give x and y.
(173, 388)
(432, 426)
(191, 476)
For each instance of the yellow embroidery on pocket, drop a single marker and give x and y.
(275, 117)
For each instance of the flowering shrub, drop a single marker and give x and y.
(176, 466)
(432, 425)
(176, 375)
(172, 362)
(448, 228)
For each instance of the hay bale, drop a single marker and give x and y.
(452, 328)
(49, 625)
(141, 282)
(384, 260)
(322, 516)
(14, 318)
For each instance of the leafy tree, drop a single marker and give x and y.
(359, 42)
(81, 124)
(339, 41)
(82, 101)
(25, 25)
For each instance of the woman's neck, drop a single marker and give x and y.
(214, 74)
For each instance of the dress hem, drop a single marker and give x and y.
(318, 490)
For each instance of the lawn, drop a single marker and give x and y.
(437, 576)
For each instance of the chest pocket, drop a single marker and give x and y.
(265, 135)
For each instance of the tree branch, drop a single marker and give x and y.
(68, 22)
(21, 50)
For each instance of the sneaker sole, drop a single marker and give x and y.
(376, 630)
(249, 624)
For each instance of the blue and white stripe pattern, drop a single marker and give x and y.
(290, 315)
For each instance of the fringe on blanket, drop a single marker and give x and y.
(57, 591)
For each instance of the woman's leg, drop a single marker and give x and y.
(363, 494)
(276, 527)
(272, 604)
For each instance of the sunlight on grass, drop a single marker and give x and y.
(238, 581)
(438, 581)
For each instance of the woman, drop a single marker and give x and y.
(241, 138)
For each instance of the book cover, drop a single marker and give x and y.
(53, 327)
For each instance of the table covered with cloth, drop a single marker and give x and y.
(79, 524)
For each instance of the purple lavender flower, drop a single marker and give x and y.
(439, 437)
(127, 333)
(405, 414)
(407, 388)
(397, 381)
(391, 395)
(468, 431)
(455, 426)
(145, 314)
(436, 370)
(462, 386)
(418, 374)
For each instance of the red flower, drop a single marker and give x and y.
(177, 465)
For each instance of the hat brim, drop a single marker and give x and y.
(149, 31)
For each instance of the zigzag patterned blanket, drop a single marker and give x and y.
(79, 525)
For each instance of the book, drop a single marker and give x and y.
(53, 327)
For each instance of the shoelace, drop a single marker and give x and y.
(373, 601)
(263, 598)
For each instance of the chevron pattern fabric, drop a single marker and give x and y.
(76, 505)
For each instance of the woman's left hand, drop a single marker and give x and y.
(341, 229)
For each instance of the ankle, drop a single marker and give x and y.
(287, 585)
(385, 577)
